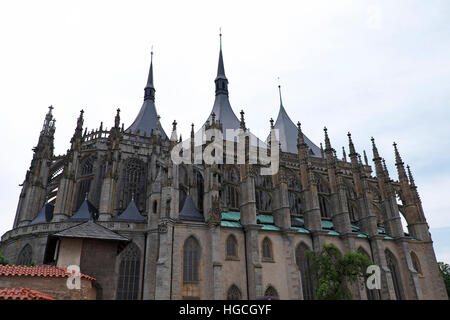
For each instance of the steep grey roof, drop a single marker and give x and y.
(45, 215)
(288, 135)
(222, 107)
(147, 117)
(86, 211)
(189, 211)
(131, 213)
(90, 230)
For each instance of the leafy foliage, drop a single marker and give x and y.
(3, 261)
(444, 268)
(333, 272)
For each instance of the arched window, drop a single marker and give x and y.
(271, 292)
(372, 294)
(416, 262)
(155, 206)
(25, 256)
(305, 273)
(323, 191)
(200, 192)
(232, 247)
(263, 187)
(191, 260)
(129, 273)
(234, 293)
(85, 176)
(267, 252)
(393, 267)
(294, 193)
(134, 183)
(231, 188)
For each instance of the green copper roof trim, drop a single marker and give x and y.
(355, 228)
(269, 227)
(264, 218)
(299, 219)
(388, 238)
(362, 235)
(301, 230)
(230, 224)
(231, 215)
(327, 224)
(333, 233)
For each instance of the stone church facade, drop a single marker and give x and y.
(216, 231)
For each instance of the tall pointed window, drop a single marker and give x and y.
(416, 263)
(393, 267)
(25, 256)
(372, 294)
(134, 183)
(231, 188)
(263, 187)
(85, 176)
(267, 252)
(234, 293)
(129, 273)
(232, 247)
(305, 273)
(323, 191)
(294, 194)
(191, 260)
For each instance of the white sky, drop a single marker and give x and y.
(375, 68)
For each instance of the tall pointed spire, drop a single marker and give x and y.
(400, 166)
(149, 88)
(279, 91)
(221, 80)
(147, 118)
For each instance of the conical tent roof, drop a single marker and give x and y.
(189, 211)
(147, 118)
(86, 211)
(44, 215)
(131, 213)
(288, 133)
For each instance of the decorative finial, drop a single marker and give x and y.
(174, 125)
(344, 155)
(365, 158)
(411, 178)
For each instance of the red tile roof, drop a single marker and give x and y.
(38, 271)
(23, 294)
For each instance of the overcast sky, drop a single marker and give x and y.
(375, 68)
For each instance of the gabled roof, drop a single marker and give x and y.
(90, 230)
(45, 215)
(23, 294)
(189, 211)
(288, 133)
(85, 212)
(131, 213)
(38, 271)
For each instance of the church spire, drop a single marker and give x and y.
(149, 88)
(281, 100)
(221, 80)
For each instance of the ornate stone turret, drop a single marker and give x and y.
(34, 188)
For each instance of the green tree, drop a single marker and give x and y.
(333, 272)
(444, 268)
(3, 261)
